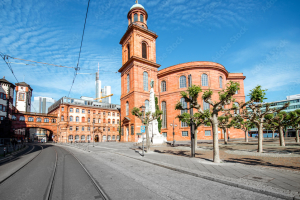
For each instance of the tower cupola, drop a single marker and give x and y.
(138, 15)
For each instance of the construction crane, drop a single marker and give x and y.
(103, 97)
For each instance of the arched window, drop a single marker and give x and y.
(135, 17)
(83, 119)
(182, 82)
(204, 79)
(71, 118)
(147, 106)
(109, 121)
(88, 137)
(53, 120)
(221, 81)
(77, 119)
(205, 105)
(77, 110)
(46, 120)
(39, 119)
(142, 18)
(237, 105)
(30, 119)
(144, 50)
(164, 115)
(22, 119)
(71, 109)
(128, 83)
(113, 121)
(145, 81)
(163, 86)
(127, 108)
(76, 137)
(184, 105)
(82, 138)
(13, 117)
(128, 51)
(70, 137)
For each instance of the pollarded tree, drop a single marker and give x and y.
(197, 119)
(224, 123)
(271, 126)
(294, 118)
(258, 111)
(225, 98)
(146, 119)
(280, 120)
(240, 123)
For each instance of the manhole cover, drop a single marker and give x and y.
(264, 179)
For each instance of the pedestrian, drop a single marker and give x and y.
(228, 137)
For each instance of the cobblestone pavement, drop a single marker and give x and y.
(278, 167)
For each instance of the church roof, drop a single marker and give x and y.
(137, 6)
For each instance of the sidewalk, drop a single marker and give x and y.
(280, 183)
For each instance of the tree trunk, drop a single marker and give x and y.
(147, 139)
(273, 134)
(260, 137)
(281, 136)
(246, 136)
(225, 136)
(297, 136)
(196, 140)
(215, 139)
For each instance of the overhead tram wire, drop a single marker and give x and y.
(77, 68)
(5, 57)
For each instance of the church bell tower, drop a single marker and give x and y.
(138, 68)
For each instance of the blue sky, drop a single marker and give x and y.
(259, 38)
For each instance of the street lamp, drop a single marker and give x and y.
(173, 125)
(142, 108)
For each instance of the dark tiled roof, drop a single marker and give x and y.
(23, 84)
(3, 80)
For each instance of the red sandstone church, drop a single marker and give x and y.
(139, 67)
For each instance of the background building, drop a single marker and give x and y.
(139, 67)
(6, 106)
(41, 104)
(84, 120)
(23, 97)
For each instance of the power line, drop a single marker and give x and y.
(8, 64)
(38, 62)
(77, 68)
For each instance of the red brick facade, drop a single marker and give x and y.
(139, 62)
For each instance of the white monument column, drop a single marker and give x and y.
(157, 138)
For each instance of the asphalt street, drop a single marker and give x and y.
(120, 177)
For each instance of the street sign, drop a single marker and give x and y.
(139, 133)
(143, 129)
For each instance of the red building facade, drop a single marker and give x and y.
(139, 67)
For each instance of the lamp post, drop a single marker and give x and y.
(143, 118)
(93, 135)
(173, 125)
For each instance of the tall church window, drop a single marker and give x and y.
(164, 115)
(184, 105)
(205, 105)
(221, 81)
(163, 86)
(144, 50)
(145, 80)
(182, 82)
(142, 18)
(128, 51)
(128, 83)
(135, 17)
(127, 108)
(204, 79)
(147, 106)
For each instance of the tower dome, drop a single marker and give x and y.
(137, 15)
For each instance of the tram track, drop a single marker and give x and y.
(2, 181)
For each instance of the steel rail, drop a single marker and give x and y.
(96, 185)
(49, 191)
(23, 165)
